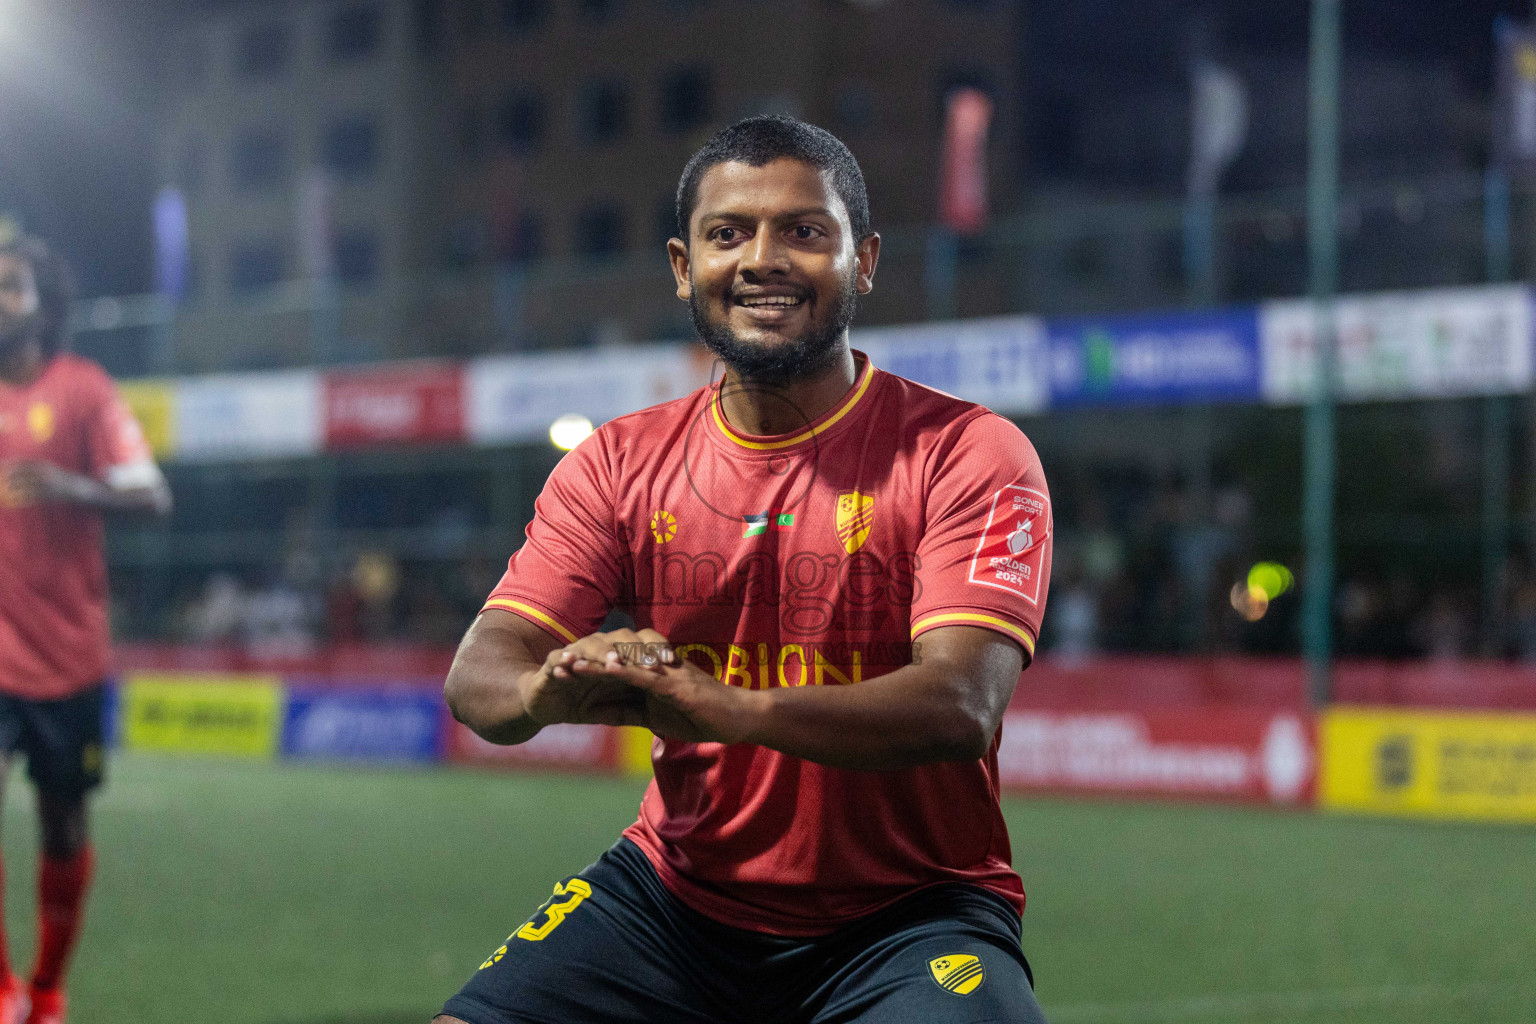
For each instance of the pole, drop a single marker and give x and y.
(1496, 445)
(1496, 257)
(939, 272)
(1323, 274)
(1200, 248)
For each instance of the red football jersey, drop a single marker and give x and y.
(53, 578)
(810, 559)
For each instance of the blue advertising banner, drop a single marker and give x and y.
(375, 723)
(1155, 359)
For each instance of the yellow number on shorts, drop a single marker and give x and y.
(574, 892)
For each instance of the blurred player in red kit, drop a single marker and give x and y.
(70, 450)
(836, 577)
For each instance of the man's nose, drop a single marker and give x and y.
(764, 254)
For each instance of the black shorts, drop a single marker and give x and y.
(62, 740)
(613, 946)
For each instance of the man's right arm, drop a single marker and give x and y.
(486, 684)
(510, 679)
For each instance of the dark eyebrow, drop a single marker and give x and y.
(806, 211)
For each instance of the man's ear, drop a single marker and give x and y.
(677, 254)
(868, 255)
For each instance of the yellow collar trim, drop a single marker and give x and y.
(806, 435)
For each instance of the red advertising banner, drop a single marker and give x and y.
(403, 404)
(1207, 753)
(574, 747)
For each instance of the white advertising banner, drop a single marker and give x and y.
(1000, 362)
(516, 398)
(248, 415)
(1441, 343)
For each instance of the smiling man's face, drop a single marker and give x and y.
(20, 316)
(772, 271)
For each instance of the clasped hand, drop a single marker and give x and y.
(634, 677)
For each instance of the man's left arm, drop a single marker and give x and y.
(121, 475)
(39, 483)
(947, 707)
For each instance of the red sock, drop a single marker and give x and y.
(61, 887)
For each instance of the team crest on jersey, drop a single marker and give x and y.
(960, 973)
(663, 525)
(1011, 552)
(855, 515)
(41, 422)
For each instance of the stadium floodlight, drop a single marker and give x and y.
(569, 430)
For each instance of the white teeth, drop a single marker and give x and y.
(770, 300)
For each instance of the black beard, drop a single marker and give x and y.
(806, 356)
(16, 332)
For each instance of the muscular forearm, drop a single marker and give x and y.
(915, 715)
(481, 689)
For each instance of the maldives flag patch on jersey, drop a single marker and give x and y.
(1011, 551)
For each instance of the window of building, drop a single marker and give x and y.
(466, 243)
(472, 19)
(350, 147)
(598, 10)
(603, 110)
(263, 50)
(192, 64)
(354, 33)
(666, 219)
(259, 161)
(600, 231)
(523, 16)
(427, 22)
(520, 122)
(469, 132)
(523, 239)
(357, 257)
(854, 103)
(257, 264)
(191, 167)
(685, 99)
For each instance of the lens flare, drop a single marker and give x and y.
(1271, 578)
(569, 430)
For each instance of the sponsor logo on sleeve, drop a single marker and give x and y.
(1011, 552)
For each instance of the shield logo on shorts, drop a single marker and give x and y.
(960, 973)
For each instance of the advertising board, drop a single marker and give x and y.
(1236, 754)
(579, 747)
(405, 403)
(1433, 764)
(239, 716)
(248, 415)
(1155, 359)
(382, 723)
(999, 363)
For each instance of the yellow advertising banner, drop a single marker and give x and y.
(1477, 766)
(634, 750)
(235, 715)
(154, 405)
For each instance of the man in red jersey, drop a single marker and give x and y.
(69, 450)
(836, 577)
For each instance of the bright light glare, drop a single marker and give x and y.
(1270, 578)
(569, 430)
(1249, 602)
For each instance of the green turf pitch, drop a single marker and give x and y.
(259, 894)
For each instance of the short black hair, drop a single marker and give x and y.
(757, 141)
(55, 286)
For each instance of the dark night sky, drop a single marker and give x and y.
(76, 128)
